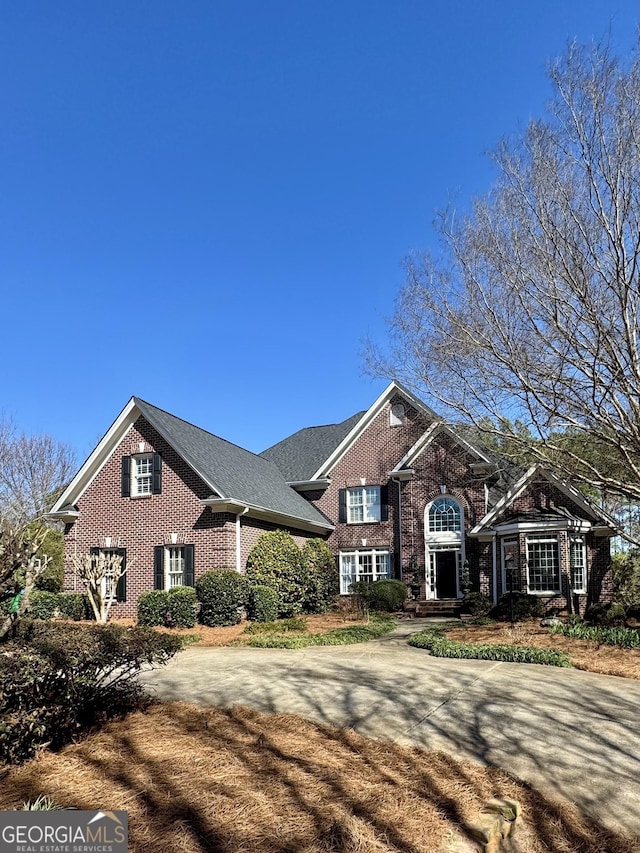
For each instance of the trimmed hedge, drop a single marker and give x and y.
(67, 605)
(441, 647)
(524, 607)
(323, 580)
(223, 595)
(262, 605)
(183, 606)
(276, 561)
(476, 604)
(59, 680)
(384, 596)
(605, 614)
(153, 608)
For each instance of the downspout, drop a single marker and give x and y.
(238, 542)
(398, 481)
(495, 568)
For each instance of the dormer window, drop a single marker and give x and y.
(398, 415)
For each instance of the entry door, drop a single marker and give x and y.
(446, 571)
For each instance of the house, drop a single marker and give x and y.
(394, 490)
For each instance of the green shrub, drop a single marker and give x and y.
(605, 614)
(385, 596)
(275, 561)
(222, 594)
(50, 580)
(625, 638)
(183, 607)
(73, 605)
(262, 605)
(323, 581)
(377, 627)
(153, 608)
(58, 680)
(295, 624)
(440, 646)
(476, 604)
(524, 607)
(42, 604)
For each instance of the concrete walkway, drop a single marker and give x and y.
(565, 731)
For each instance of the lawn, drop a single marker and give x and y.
(584, 654)
(204, 779)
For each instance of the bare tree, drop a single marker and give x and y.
(19, 568)
(526, 324)
(99, 574)
(32, 471)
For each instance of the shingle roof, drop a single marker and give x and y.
(230, 470)
(300, 455)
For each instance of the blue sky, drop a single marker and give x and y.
(207, 203)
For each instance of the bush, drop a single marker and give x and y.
(222, 595)
(275, 561)
(73, 605)
(476, 604)
(323, 581)
(605, 614)
(385, 596)
(153, 608)
(182, 607)
(58, 680)
(441, 647)
(50, 580)
(42, 604)
(524, 607)
(262, 605)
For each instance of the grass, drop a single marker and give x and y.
(194, 779)
(440, 646)
(273, 636)
(623, 638)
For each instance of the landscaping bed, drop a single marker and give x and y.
(194, 779)
(583, 654)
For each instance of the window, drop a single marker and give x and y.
(173, 566)
(445, 516)
(363, 565)
(141, 475)
(578, 559)
(543, 567)
(107, 581)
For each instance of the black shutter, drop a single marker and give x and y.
(121, 588)
(158, 567)
(157, 473)
(342, 512)
(384, 503)
(94, 551)
(188, 566)
(126, 476)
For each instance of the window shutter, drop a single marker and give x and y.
(188, 566)
(158, 567)
(94, 551)
(342, 512)
(384, 503)
(121, 588)
(126, 476)
(157, 473)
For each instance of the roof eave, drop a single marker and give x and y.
(238, 507)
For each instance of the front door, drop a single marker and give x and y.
(446, 571)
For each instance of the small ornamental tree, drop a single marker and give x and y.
(275, 561)
(99, 574)
(323, 582)
(19, 568)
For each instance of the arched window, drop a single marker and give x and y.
(445, 516)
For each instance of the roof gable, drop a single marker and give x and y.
(230, 471)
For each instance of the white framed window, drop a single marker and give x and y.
(142, 475)
(363, 505)
(578, 563)
(543, 564)
(445, 516)
(370, 564)
(174, 565)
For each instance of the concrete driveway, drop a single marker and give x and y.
(565, 731)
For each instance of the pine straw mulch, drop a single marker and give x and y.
(586, 655)
(204, 779)
(224, 636)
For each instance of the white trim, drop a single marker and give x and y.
(310, 485)
(356, 552)
(235, 507)
(372, 412)
(581, 525)
(543, 539)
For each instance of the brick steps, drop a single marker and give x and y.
(439, 607)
